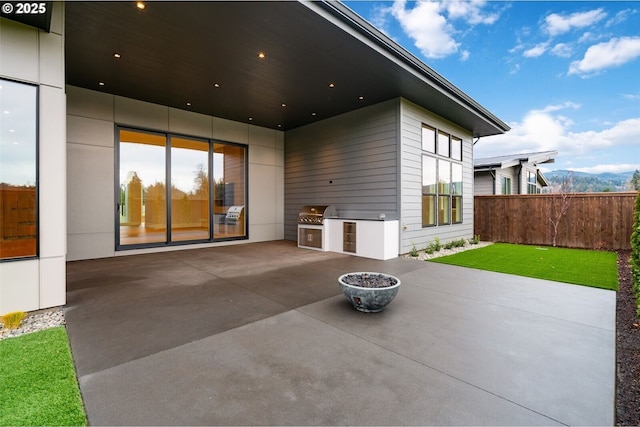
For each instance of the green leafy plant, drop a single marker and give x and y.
(475, 240)
(436, 245)
(13, 320)
(413, 252)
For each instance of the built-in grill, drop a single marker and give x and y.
(311, 232)
(316, 214)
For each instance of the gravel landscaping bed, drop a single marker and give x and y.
(35, 321)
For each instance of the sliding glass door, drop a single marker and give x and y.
(205, 200)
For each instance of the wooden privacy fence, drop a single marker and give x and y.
(592, 221)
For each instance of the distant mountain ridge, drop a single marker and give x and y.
(591, 182)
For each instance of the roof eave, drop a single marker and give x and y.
(492, 124)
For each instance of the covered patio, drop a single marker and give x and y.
(259, 334)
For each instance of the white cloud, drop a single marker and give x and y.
(427, 27)
(536, 51)
(470, 11)
(428, 23)
(556, 24)
(620, 17)
(617, 168)
(562, 50)
(613, 53)
(548, 129)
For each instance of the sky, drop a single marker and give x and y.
(564, 75)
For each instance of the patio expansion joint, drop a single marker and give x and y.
(440, 371)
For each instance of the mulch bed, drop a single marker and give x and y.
(627, 348)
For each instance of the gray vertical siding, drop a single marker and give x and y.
(350, 161)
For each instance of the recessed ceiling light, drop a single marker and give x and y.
(12, 130)
(262, 55)
(250, 118)
(100, 83)
(361, 97)
(117, 55)
(332, 85)
(216, 85)
(140, 5)
(313, 114)
(279, 125)
(284, 105)
(188, 104)
(6, 112)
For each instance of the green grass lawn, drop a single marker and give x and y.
(38, 385)
(582, 267)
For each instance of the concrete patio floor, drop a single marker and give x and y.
(259, 334)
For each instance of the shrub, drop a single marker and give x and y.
(13, 320)
(436, 245)
(635, 253)
(475, 240)
(413, 252)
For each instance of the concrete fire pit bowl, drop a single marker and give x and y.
(369, 292)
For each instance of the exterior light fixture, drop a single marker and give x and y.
(140, 5)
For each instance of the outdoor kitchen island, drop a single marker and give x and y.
(369, 238)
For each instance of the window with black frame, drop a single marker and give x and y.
(205, 199)
(441, 178)
(18, 170)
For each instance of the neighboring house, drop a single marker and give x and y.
(129, 129)
(511, 174)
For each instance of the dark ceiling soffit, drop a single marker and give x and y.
(408, 60)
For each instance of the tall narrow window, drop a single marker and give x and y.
(456, 193)
(505, 185)
(532, 187)
(444, 192)
(189, 189)
(143, 192)
(429, 191)
(229, 193)
(18, 170)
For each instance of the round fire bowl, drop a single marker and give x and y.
(369, 292)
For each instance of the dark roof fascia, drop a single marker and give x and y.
(407, 59)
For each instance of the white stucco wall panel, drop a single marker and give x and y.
(91, 245)
(91, 205)
(86, 131)
(52, 171)
(53, 272)
(91, 104)
(227, 130)
(262, 192)
(190, 123)
(262, 155)
(19, 286)
(262, 136)
(141, 114)
(19, 51)
(51, 59)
